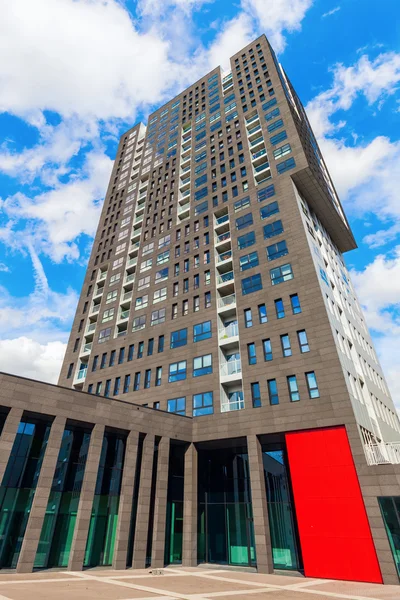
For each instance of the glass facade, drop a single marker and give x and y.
(18, 487)
(103, 522)
(225, 519)
(390, 509)
(174, 524)
(281, 513)
(59, 521)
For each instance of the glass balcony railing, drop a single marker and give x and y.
(81, 374)
(258, 154)
(232, 367)
(225, 277)
(91, 328)
(223, 237)
(254, 130)
(124, 314)
(130, 278)
(262, 167)
(87, 347)
(222, 220)
(126, 296)
(227, 301)
(252, 119)
(224, 256)
(95, 309)
(257, 141)
(103, 275)
(231, 331)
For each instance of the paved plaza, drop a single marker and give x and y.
(183, 584)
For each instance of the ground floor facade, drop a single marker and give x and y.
(90, 482)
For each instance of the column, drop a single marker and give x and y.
(189, 546)
(8, 436)
(160, 504)
(260, 509)
(78, 547)
(125, 501)
(143, 509)
(41, 498)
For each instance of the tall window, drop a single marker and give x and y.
(286, 347)
(255, 394)
(279, 308)
(248, 319)
(107, 388)
(117, 383)
(177, 371)
(293, 388)
(312, 385)
(267, 347)
(295, 302)
(127, 383)
(158, 376)
(251, 353)
(262, 313)
(160, 343)
(273, 391)
(136, 382)
(131, 352)
(203, 404)
(147, 378)
(303, 342)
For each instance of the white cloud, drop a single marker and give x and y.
(4, 268)
(277, 18)
(331, 12)
(26, 357)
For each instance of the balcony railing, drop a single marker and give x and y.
(252, 119)
(227, 300)
(262, 167)
(231, 331)
(259, 153)
(223, 237)
(103, 275)
(95, 309)
(91, 327)
(257, 141)
(126, 296)
(124, 314)
(87, 347)
(383, 454)
(231, 368)
(222, 220)
(130, 278)
(81, 374)
(224, 256)
(225, 277)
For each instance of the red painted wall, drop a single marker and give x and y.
(335, 536)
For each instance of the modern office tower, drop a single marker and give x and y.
(226, 404)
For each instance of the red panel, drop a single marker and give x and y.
(335, 536)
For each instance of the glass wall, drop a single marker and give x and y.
(59, 522)
(18, 487)
(390, 509)
(103, 522)
(174, 527)
(225, 520)
(284, 538)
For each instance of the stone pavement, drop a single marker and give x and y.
(182, 583)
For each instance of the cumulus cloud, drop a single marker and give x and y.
(26, 357)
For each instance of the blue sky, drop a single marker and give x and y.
(75, 74)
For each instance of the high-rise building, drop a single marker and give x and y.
(217, 291)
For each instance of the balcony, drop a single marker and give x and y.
(95, 309)
(224, 256)
(385, 453)
(102, 276)
(126, 297)
(227, 303)
(225, 278)
(233, 367)
(229, 332)
(132, 261)
(91, 328)
(81, 374)
(130, 278)
(258, 154)
(124, 315)
(221, 220)
(254, 130)
(252, 119)
(86, 348)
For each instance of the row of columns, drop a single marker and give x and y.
(189, 550)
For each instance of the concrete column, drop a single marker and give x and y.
(143, 508)
(78, 547)
(41, 497)
(189, 548)
(125, 502)
(8, 437)
(160, 504)
(260, 509)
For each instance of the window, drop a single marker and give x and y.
(267, 349)
(281, 274)
(144, 282)
(248, 319)
(146, 265)
(248, 261)
(246, 240)
(131, 352)
(303, 342)
(157, 317)
(139, 323)
(241, 204)
(273, 229)
(279, 308)
(117, 383)
(163, 257)
(136, 382)
(255, 394)
(272, 114)
(282, 151)
(295, 302)
(104, 335)
(251, 284)
(251, 353)
(286, 165)
(265, 193)
(177, 371)
(127, 382)
(244, 221)
(178, 338)
(312, 385)
(94, 364)
(160, 344)
(140, 350)
(112, 358)
(177, 405)
(103, 360)
(111, 296)
(158, 376)
(286, 347)
(160, 295)
(279, 137)
(71, 368)
(108, 315)
(107, 388)
(207, 300)
(273, 391)
(293, 388)
(161, 275)
(141, 302)
(164, 241)
(270, 209)
(150, 346)
(262, 313)
(203, 404)
(147, 378)
(202, 365)
(202, 331)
